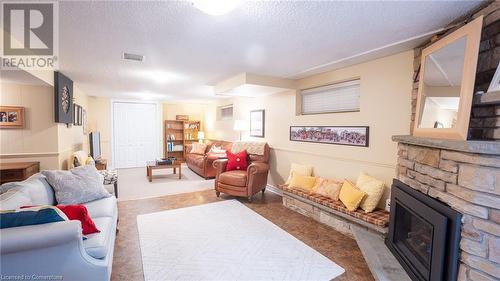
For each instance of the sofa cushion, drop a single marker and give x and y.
(79, 185)
(97, 244)
(36, 188)
(195, 159)
(105, 207)
(235, 177)
(14, 199)
(198, 148)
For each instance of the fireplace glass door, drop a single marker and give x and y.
(414, 236)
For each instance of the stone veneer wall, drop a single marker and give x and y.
(470, 184)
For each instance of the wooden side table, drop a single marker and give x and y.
(102, 164)
(19, 171)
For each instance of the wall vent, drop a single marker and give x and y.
(134, 57)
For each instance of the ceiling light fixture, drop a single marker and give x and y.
(216, 7)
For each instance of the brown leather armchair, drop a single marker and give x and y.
(243, 183)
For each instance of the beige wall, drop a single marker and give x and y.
(72, 138)
(100, 120)
(42, 139)
(38, 140)
(194, 110)
(385, 94)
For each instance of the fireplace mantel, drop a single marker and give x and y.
(480, 147)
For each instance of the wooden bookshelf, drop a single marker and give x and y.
(177, 134)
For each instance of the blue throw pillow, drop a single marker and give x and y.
(31, 216)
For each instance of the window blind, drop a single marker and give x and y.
(226, 112)
(340, 97)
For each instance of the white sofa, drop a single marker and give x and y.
(56, 249)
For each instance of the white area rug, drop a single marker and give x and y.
(133, 183)
(225, 241)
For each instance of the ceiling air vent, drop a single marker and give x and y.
(134, 57)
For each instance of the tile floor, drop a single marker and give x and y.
(341, 249)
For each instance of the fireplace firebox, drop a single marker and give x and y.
(424, 234)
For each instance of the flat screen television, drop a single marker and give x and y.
(95, 145)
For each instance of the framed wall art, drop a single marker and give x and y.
(11, 117)
(343, 135)
(257, 123)
(75, 114)
(84, 121)
(63, 98)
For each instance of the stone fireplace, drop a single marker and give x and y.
(465, 175)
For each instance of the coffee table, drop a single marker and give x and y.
(151, 165)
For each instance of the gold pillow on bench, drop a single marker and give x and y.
(303, 183)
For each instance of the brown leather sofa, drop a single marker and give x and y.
(243, 183)
(202, 163)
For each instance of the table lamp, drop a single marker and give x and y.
(240, 126)
(201, 136)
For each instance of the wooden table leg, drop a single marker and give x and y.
(179, 172)
(150, 174)
(174, 171)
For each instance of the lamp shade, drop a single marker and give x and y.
(240, 125)
(201, 135)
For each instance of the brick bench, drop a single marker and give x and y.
(334, 213)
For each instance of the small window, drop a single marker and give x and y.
(225, 112)
(339, 97)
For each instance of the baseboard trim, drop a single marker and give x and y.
(274, 189)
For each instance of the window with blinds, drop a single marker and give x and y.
(339, 97)
(226, 112)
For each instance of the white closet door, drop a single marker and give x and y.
(135, 134)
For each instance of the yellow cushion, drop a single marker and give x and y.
(328, 188)
(374, 190)
(304, 183)
(304, 170)
(351, 196)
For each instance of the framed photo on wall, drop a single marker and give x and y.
(257, 123)
(11, 117)
(75, 114)
(84, 121)
(348, 135)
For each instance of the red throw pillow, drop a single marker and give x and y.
(236, 161)
(79, 212)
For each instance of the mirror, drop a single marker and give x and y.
(446, 85)
(441, 86)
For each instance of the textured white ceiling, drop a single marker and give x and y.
(283, 39)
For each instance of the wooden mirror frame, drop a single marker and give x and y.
(472, 31)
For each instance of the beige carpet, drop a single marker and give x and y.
(133, 183)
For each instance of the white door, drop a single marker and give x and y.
(135, 134)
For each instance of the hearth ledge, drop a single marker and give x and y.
(481, 147)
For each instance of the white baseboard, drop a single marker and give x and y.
(274, 189)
